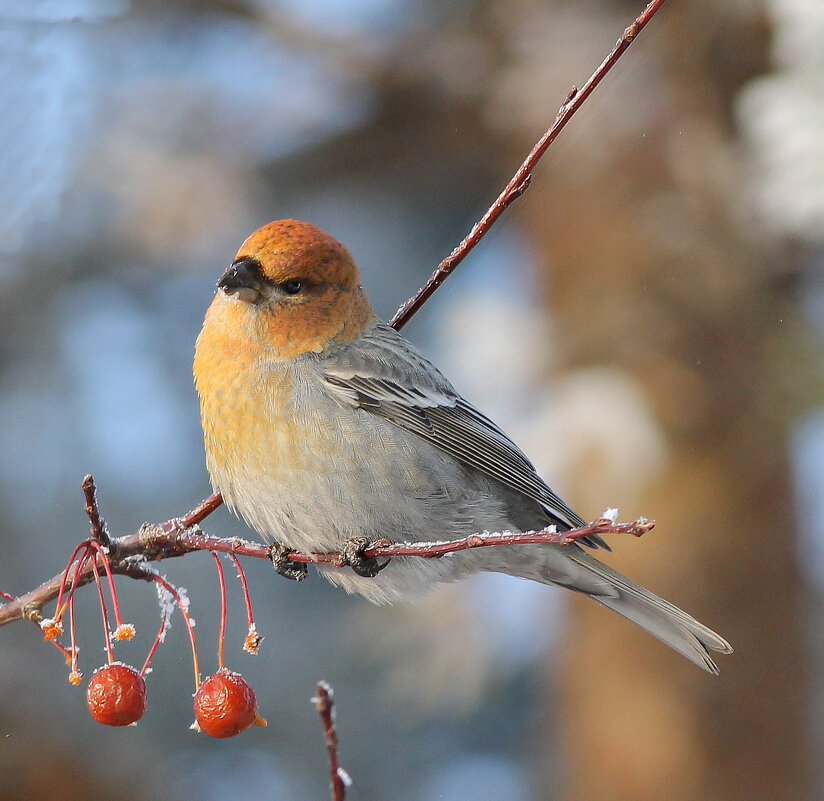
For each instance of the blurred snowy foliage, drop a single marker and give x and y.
(782, 115)
(45, 113)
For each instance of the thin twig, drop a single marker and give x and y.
(98, 525)
(325, 704)
(425, 550)
(522, 178)
(200, 512)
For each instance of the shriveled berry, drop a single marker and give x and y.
(225, 705)
(116, 695)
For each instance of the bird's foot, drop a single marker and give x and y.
(351, 555)
(296, 571)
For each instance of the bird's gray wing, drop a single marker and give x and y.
(384, 374)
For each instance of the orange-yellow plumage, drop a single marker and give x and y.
(239, 339)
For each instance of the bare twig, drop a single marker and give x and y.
(522, 178)
(201, 511)
(325, 704)
(98, 525)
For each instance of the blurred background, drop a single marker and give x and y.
(646, 322)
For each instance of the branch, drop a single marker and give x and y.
(523, 176)
(182, 535)
(98, 525)
(325, 704)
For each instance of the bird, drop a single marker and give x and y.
(325, 429)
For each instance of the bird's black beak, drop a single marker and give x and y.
(243, 278)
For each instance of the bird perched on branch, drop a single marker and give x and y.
(326, 429)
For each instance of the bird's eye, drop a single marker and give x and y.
(292, 286)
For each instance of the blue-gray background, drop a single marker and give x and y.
(140, 144)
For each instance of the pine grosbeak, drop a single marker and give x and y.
(323, 426)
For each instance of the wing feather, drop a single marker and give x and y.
(383, 374)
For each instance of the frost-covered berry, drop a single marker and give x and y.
(116, 695)
(225, 705)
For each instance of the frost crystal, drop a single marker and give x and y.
(344, 777)
(167, 604)
(610, 514)
(184, 604)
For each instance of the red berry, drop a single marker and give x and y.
(116, 695)
(225, 704)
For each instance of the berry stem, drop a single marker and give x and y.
(247, 599)
(74, 672)
(160, 635)
(60, 608)
(105, 559)
(221, 638)
(189, 627)
(103, 611)
(67, 653)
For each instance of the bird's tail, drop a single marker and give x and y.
(571, 567)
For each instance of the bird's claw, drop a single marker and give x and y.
(351, 555)
(279, 554)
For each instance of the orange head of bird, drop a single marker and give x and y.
(293, 289)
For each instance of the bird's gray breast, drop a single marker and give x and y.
(360, 475)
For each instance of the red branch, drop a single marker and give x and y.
(519, 182)
(325, 704)
(181, 535)
(176, 538)
(197, 541)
